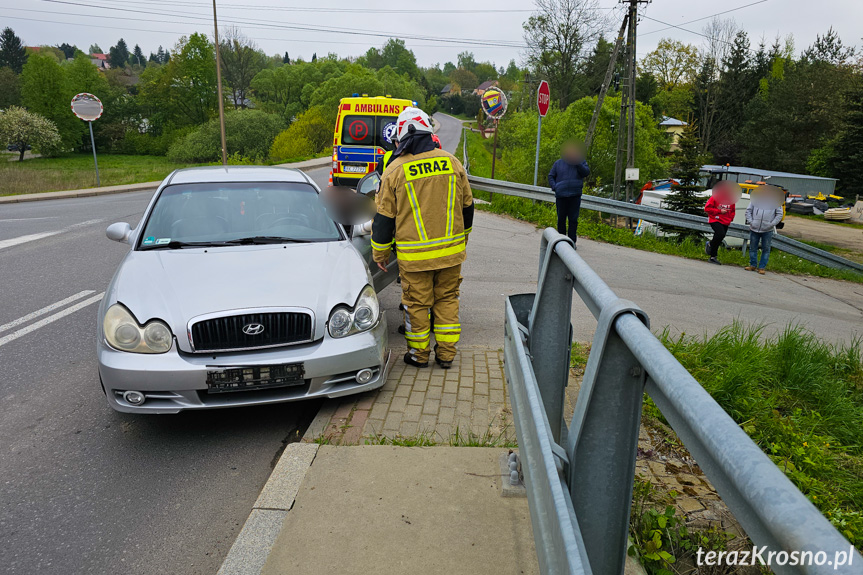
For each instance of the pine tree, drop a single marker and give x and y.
(118, 55)
(847, 153)
(286, 59)
(138, 56)
(686, 163)
(314, 57)
(95, 49)
(12, 52)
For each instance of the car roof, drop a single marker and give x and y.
(207, 174)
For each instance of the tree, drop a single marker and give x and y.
(719, 34)
(23, 128)
(44, 91)
(241, 62)
(828, 48)
(557, 37)
(95, 49)
(118, 56)
(138, 56)
(13, 55)
(395, 55)
(286, 59)
(68, 50)
(314, 57)
(464, 78)
(10, 95)
(846, 162)
(686, 163)
(672, 63)
(737, 86)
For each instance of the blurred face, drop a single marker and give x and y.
(726, 192)
(772, 196)
(572, 151)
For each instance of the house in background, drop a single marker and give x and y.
(673, 127)
(100, 61)
(480, 90)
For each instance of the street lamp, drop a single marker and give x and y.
(219, 84)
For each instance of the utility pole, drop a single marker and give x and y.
(219, 85)
(609, 76)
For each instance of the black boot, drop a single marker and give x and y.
(410, 360)
(440, 362)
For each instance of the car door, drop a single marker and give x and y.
(361, 238)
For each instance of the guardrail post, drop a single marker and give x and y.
(602, 443)
(551, 333)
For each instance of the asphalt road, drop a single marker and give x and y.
(87, 490)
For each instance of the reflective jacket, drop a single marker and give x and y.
(425, 208)
(385, 161)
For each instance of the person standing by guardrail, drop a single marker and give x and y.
(566, 180)
(720, 213)
(425, 207)
(762, 215)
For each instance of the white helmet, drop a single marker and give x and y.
(413, 121)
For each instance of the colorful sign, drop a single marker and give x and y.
(494, 103)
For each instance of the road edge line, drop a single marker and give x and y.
(251, 549)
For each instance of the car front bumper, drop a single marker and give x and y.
(175, 381)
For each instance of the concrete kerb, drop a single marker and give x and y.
(252, 546)
(305, 165)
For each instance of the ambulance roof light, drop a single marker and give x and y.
(355, 95)
(389, 96)
(365, 95)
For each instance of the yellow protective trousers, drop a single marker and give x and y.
(432, 292)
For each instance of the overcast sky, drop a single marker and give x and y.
(451, 26)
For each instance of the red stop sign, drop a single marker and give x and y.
(543, 98)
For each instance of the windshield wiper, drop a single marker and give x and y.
(266, 240)
(175, 245)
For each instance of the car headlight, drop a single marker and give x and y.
(362, 317)
(122, 332)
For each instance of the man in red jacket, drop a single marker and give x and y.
(720, 214)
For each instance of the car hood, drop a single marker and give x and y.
(178, 285)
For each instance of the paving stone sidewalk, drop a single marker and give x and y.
(465, 405)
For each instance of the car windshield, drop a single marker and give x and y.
(216, 214)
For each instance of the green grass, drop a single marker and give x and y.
(800, 399)
(590, 225)
(459, 438)
(76, 171)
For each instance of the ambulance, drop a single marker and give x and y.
(364, 132)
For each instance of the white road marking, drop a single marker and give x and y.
(34, 237)
(50, 319)
(29, 219)
(44, 310)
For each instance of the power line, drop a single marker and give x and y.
(253, 23)
(329, 10)
(670, 26)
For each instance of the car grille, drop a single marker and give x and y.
(226, 333)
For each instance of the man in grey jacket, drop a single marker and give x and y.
(762, 215)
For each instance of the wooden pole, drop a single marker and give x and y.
(219, 84)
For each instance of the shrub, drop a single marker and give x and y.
(146, 144)
(249, 133)
(310, 134)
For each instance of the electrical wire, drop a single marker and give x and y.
(670, 26)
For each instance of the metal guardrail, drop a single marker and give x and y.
(579, 478)
(665, 217)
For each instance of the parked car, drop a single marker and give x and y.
(240, 289)
(15, 148)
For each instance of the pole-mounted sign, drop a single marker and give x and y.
(89, 108)
(494, 105)
(543, 99)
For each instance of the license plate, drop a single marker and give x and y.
(256, 377)
(355, 169)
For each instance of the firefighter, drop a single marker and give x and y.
(388, 156)
(426, 209)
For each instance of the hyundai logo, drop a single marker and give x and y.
(253, 329)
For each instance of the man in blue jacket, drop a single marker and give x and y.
(566, 179)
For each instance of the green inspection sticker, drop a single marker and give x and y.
(149, 241)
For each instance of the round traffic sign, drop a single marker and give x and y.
(494, 103)
(87, 107)
(543, 98)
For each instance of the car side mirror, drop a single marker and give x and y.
(119, 232)
(369, 185)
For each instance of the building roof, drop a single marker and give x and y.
(668, 121)
(446, 89)
(760, 172)
(99, 56)
(487, 84)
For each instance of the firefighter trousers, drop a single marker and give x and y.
(432, 292)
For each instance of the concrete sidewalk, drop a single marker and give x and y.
(395, 510)
(142, 187)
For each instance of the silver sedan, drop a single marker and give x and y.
(240, 289)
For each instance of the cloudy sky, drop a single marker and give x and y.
(436, 31)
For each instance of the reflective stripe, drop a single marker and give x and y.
(417, 336)
(447, 338)
(415, 208)
(419, 344)
(467, 230)
(450, 207)
(430, 243)
(429, 255)
(438, 328)
(381, 247)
